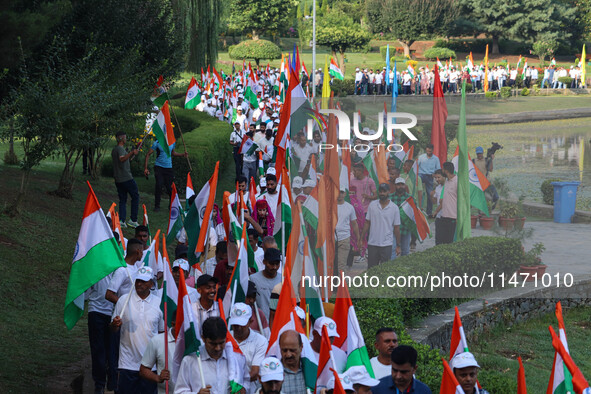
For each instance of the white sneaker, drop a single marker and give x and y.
(132, 224)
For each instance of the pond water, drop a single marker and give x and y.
(535, 151)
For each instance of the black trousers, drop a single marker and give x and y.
(445, 229)
(237, 160)
(377, 255)
(102, 350)
(164, 178)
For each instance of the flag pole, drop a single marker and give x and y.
(259, 322)
(180, 132)
(325, 264)
(201, 371)
(166, 341)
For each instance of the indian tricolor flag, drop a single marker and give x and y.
(238, 285)
(350, 339)
(188, 338)
(189, 191)
(152, 258)
(193, 97)
(478, 184)
(411, 70)
(414, 218)
(198, 224)
(335, 71)
(96, 256)
(560, 379)
(580, 384)
(325, 362)
(162, 129)
(285, 319)
(282, 227)
(175, 220)
(230, 221)
(170, 293)
(449, 383)
(458, 338)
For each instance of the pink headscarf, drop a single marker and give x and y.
(270, 219)
(218, 218)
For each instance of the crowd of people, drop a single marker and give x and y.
(126, 323)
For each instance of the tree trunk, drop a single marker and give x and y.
(495, 45)
(255, 35)
(342, 62)
(17, 205)
(66, 183)
(406, 45)
(10, 157)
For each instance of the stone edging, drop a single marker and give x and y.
(509, 306)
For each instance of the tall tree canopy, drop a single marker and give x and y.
(261, 16)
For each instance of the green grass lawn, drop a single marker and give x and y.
(497, 351)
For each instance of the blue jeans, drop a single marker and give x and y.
(102, 350)
(428, 186)
(249, 169)
(404, 245)
(129, 382)
(123, 188)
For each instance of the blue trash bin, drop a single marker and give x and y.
(565, 200)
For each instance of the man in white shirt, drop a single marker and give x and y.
(382, 224)
(346, 220)
(218, 363)
(241, 118)
(252, 344)
(445, 226)
(138, 323)
(302, 151)
(206, 307)
(155, 355)
(121, 281)
(358, 76)
(272, 192)
(236, 141)
(340, 357)
(221, 253)
(386, 342)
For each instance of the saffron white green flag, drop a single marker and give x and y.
(560, 378)
(238, 285)
(162, 129)
(170, 293)
(414, 219)
(335, 71)
(96, 256)
(478, 184)
(175, 220)
(193, 97)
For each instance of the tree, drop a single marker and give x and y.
(521, 19)
(543, 48)
(204, 27)
(255, 49)
(261, 16)
(340, 33)
(411, 20)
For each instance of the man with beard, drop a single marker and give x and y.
(386, 342)
(272, 193)
(271, 376)
(382, 225)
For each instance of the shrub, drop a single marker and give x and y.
(344, 87)
(255, 49)
(506, 92)
(548, 190)
(566, 81)
(491, 95)
(442, 53)
(496, 382)
(188, 119)
(508, 47)
(525, 92)
(468, 87)
(413, 64)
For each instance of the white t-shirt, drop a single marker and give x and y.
(302, 153)
(259, 255)
(383, 220)
(346, 214)
(380, 370)
(154, 355)
(120, 282)
(140, 322)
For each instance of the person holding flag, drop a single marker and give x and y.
(124, 180)
(163, 172)
(445, 226)
(465, 369)
(399, 197)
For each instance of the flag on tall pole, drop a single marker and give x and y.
(189, 191)
(325, 361)
(458, 338)
(478, 184)
(175, 221)
(238, 284)
(162, 129)
(193, 96)
(170, 292)
(583, 68)
(449, 382)
(335, 71)
(96, 256)
(485, 82)
(438, 120)
(463, 226)
(325, 85)
(394, 89)
(560, 378)
(580, 384)
(387, 76)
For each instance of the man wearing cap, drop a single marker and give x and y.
(331, 327)
(358, 76)
(466, 369)
(404, 366)
(236, 141)
(485, 165)
(177, 266)
(141, 320)
(399, 197)
(121, 281)
(162, 170)
(428, 163)
(206, 307)
(290, 345)
(445, 226)
(346, 220)
(386, 342)
(155, 355)
(382, 224)
(270, 376)
(266, 279)
(360, 380)
(218, 363)
(252, 344)
(296, 186)
(124, 180)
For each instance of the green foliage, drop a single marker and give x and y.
(199, 21)
(441, 53)
(548, 190)
(510, 47)
(468, 87)
(493, 382)
(534, 256)
(491, 95)
(187, 119)
(506, 92)
(509, 209)
(544, 48)
(566, 81)
(525, 92)
(260, 16)
(255, 49)
(343, 88)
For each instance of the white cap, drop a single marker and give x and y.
(184, 264)
(145, 274)
(464, 360)
(399, 180)
(271, 171)
(309, 183)
(330, 324)
(345, 382)
(240, 314)
(297, 182)
(261, 105)
(271, 369)
(359, 375)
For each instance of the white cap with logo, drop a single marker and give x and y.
(330, 324)
(271, 369)
(182, 263)
(240, 314)
(359, 375)
(145, 274)
(464, 360)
